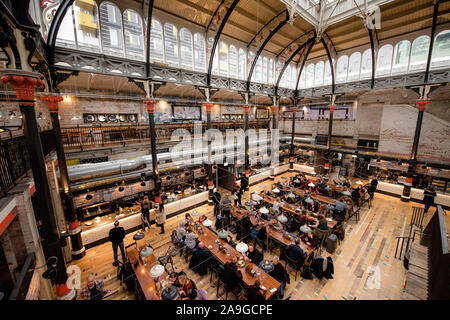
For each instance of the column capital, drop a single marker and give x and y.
(274, 109)
(331, 108)
(421, 104)
(294, 110)
(150, 105)
(24, 86)
(52, 102)
(208, 107)
(246, 109)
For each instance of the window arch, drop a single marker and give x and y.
(354, 66)
(366, 65)
(134, 36)
(271, 71)
(242, 64)
(327, 80)
(384, 60)
(318, 78)
(234, 62)
(199, 53)
(341, 69)
(157, 43)
(66, 33)
(171, 44)
(111, 29)
(401, 57)
(441, 51)
(419, 54)
(223, 59)
(265, 62)
(186, 54)
(310, 75)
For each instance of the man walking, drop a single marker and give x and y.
(116, 236)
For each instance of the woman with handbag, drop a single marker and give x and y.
(160, 216)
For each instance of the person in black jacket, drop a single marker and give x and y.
(254, 292)
(216, 197)
(231, 275)
(254, 255)
(295, 253)
(373, 187)
(261, 237)
(280, 274)
(428, 197)
(116, 236)
(239, 194)
(199, 259)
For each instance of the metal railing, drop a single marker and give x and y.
(15, 161)
(417, 217)
(22, 284)
(84, 137)
(435, 238)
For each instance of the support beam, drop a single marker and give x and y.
(247, 162)
(78, 249)
(274, 137)
(330, 125)
(330, 60)
(308, 51)
(210, 169)
(24, 84)
(149, 30)
(432, 36)
(372, 48)
(151, 119)
(261, 48)
(292, 149)
(216, 39)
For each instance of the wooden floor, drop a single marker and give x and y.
(364, 263)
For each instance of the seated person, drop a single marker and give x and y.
(189, 219)
(231, 275)
(191, 239)
(276, 206)
(254, 292)
(356, 196)
(262, 235)
(186, 288)
(181, 231)
(276, 224)
(199, 258)
(321, 223)
(256, 197)
(280, 274)
(254, 255)
(339, 209)
(310, 239)
(295, 253)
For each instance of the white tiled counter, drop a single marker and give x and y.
(100, 233)
(303, 168)
(266, 174)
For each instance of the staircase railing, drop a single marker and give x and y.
(417, 217)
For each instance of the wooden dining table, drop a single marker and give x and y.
(209, 239)
(142, 272)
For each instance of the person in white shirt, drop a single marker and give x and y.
(256, 197)
(276, 206)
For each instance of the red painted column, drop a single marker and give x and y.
(24, 84)
(78, 250)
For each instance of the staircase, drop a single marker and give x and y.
(416, 287)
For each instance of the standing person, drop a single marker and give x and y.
(428, 197)
(226, 207)
(116, 236)
(373, 187)
(145, 211)
(94, 290)
(280, 274)
(216, 199)
(239, 195)
(161, 217)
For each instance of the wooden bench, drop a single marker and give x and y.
(416, 287)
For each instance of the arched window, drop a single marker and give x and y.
(257, 74)
(441, 51)
(171, 44)
(310, 75)
(327, 79)
(354, 66)
(384, 61)
(265, 62)
(134, 35)
(186, 55)
(234, 62)
(318, 77)
(366, 65)
(199, 53)
(294, 73)
(302, 82)
(111, 29)
(242, 64)
(419, 54)
(66, 34)
(271, 71)
(401, 57)
(250, 58)
(341, 69)
(215, 65)
(87, 27)
(223, 59)
(156, 40)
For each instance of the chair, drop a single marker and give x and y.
(227, 288)
(215, 268)
(261, 243)
(296, 264)
(322, 235)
